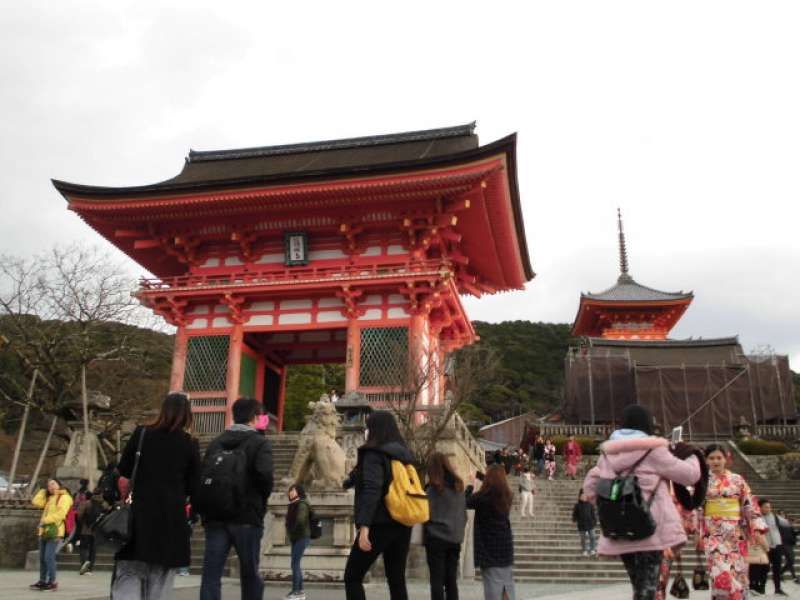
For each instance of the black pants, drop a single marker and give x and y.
(758, 577)
(390, 540)
(643, 569)
(87, 550)
(788, 552)
(775, 560)
(443, 565)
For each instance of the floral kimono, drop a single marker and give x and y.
(550, 460)
(729, 517)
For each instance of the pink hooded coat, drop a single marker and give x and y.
(620, 455)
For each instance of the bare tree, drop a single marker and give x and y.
(55, 311)
(420, 376)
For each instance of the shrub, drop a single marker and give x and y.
(762, 447)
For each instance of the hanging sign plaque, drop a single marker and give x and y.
(296, 244)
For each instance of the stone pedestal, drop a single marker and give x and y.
(81, 459)
(326, 557)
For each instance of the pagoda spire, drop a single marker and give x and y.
(623, 251)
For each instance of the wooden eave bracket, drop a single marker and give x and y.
(351, 297)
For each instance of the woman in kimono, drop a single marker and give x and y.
(572, 456)
(729, 518)
(550, 459)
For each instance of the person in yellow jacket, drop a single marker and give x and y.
(55, 502)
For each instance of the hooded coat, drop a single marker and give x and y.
(654, 471)
(56, 506)
(374, 474)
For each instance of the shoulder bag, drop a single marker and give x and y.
(116, 526)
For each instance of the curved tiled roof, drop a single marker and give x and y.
(628, 290)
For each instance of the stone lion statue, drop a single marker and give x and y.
(320, 461)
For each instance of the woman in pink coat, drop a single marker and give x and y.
(642, 558)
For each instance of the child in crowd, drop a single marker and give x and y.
(526, 492)
(584, 516)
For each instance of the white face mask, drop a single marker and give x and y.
(366, 435)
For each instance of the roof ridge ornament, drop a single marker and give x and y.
(624, 276)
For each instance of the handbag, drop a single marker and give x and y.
(699, 580)
(623, 512)
(116, 526)
(49, 531)
(679, 589)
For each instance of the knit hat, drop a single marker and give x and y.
(636, 416)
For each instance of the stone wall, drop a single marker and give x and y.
(18, 522)
(782, 467)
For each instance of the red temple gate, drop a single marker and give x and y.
(349, 251)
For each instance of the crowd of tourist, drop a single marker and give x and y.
(649, 496)
(539, 458)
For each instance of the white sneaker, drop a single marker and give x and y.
(585, 553)
(69, 548)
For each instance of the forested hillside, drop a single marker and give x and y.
(530, 371)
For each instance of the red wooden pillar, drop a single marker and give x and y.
(234, 369)
(418, 352)
(353, 357)
(261, 371)
(281, 396)
(179, 359)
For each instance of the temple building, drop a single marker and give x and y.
(623, 355)
(353, 251)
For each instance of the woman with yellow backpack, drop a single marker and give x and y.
(388, 500)
(55, 502)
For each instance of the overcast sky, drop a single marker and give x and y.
(685, 114)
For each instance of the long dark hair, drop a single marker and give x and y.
(291, 512)
(383, 429)
(176, 413)
(495, 487)
(441, 473)
(47, 488)
(711, 448)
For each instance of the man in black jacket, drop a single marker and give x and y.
(244, 530)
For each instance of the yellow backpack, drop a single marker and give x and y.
(406, 501)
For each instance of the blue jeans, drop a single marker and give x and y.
(588, 540)
(298, 549)
(47, 560)
(246, 540)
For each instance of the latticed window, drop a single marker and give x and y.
(206, 363)
(384, 356)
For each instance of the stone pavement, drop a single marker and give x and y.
(14, 584)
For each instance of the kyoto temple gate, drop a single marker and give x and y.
(349, 251)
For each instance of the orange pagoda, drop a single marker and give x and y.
(629, 310)
(353, 251)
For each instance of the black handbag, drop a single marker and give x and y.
(621, 508)
(679, 589)
(699, 580)
(115, 527)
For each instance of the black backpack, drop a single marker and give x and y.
(623, 513)
(107, 487)
(314, 524)
(220, 495)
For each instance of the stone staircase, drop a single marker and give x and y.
(547, 547)
(784, 495)
(284, 446)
